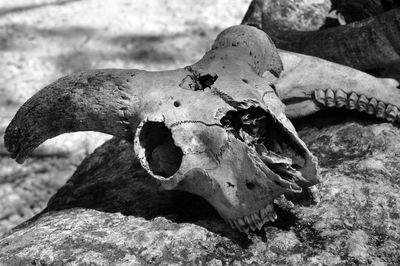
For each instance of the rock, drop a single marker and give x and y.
(298, 15)
(110, 211)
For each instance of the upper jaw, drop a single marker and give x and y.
(285, 156)
(276, 143)
(253, 221)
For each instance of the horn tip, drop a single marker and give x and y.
(14, 144)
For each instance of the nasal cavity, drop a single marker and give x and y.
(206, 80)
(163, 157)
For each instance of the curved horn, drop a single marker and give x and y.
(114, 101)
(99, 100)
(367, 44)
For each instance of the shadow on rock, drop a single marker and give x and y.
(332, 117)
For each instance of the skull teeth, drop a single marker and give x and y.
(362, 103)
(253, 221)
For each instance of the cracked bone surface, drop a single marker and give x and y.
(215, 129)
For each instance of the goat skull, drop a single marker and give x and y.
(216, 128)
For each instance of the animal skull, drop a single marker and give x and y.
(215, 129)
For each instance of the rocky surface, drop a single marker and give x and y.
(300, 15)
(110, 211)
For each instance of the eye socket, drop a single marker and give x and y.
(250, 185)
(162, 155)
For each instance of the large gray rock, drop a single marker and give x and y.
(110, 211)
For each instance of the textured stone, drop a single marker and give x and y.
(302, 15)
(109, 212)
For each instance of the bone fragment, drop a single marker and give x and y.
(380, 109)
(320, 96)
(330, 98)
(362, 103)
(306, 77)
(372, 106)
(391, 112)
(247, 138)
(237, 225)
(270, 157)
(352, 100)
(256, 218)
(341, 98)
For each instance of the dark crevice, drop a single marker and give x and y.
(198, 81)
(230, 184)
(193, 122)
(275, 73)
(294, 100)
(286, 218)
(163, 157)
(250, 185)
(261, 131)
(273, 87)
(206, 80)
(259, 127)
(226, 98)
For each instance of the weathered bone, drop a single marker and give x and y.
(309, 84)
(340, 98)
(362, 103)
(367, 44)
(186, 124)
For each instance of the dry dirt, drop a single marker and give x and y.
(42, 40)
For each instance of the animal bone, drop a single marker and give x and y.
(214, 129)
(309, 84)
(367, 44)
